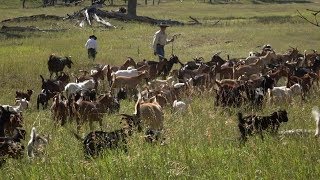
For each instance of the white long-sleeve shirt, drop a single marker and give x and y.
(160, 37)
(91, 43)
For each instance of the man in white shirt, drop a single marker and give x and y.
(160, 40)
(91, 46)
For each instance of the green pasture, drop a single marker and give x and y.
(200, 144)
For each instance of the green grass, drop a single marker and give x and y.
(200, 144)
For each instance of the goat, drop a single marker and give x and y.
(52, 85)
(21, 104)
(95, 142)
(256, 124)
(43, 98)
(59, 109)
(284, 94)
(27, 95)
(150, 113)
(56, 64)
(12, 146)
(36, 144)
(179, 106)
(73, 88)
(128, 82)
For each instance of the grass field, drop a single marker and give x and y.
(200, 144)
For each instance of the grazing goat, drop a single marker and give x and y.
(73, 88)
(27, 95)
(43, 98)
(12, 146)
(53, 85)
(256, 124)
(36, 144)
(150, 113)
(56, 64)
(283, 94)
(95, 142)
(59, 109)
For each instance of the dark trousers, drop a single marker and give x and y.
(92, 53)
(160, 51)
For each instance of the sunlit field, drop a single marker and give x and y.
(201, 143)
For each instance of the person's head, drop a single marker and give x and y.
(163, 26)
(93, 37)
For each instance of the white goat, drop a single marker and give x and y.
(284, 94)
(72, 88)
(179, 106)
(36, 144)
(126, 73)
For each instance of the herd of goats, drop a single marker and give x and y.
(154, 86)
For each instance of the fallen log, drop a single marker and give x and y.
(33, 18)
(122, 17)
(27, 28)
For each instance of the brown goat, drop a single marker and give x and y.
(150, 114)
(59, 109)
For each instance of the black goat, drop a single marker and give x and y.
(56, 64)
(95, 142)
(256, 124)
(43, 98)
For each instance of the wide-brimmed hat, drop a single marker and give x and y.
(93, 37)
(163, 24)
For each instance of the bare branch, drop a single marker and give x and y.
(309, 21)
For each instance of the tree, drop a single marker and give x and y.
(23, 3)
(314, 13)
(132, 8)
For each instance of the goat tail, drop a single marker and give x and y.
(31, 143)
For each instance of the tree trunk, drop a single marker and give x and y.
(23, 3)
(132, 8)
(146, 2)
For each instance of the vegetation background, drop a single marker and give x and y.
(200, 144)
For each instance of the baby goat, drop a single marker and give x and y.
(256, 124)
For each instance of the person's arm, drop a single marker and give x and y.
(86, 45)
(154, 42)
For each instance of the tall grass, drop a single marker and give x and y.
(200, 144)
